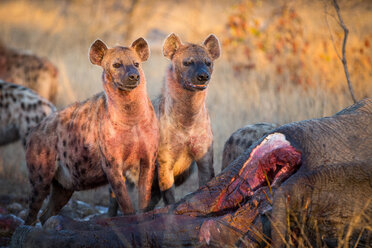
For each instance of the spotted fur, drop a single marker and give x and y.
(110, 137)
(21, 110)
(185, 129)
(242, 139)
(29, 70)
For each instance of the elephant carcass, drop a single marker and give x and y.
(305, 183)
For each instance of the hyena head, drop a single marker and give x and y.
(121, 65)
(192, 64)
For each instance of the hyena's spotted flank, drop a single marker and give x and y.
(21, 110)
(242, 139)
(110, 137)
(185, 129)
(29, 70)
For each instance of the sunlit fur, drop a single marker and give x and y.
(185, 129)
(103, 139)
(29, 70)
(21, 110)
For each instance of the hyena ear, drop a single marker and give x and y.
(142, 48)
(213, 46)
(171, 45)
(96, 52)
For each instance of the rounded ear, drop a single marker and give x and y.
(142, 48)
(171, 45)
(213, 46)
(96, 52)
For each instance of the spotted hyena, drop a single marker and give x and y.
(242, 139)
(29, 70)
(110, 137)
(21, 109)
(185, 129)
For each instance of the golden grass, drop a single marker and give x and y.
(64, 31)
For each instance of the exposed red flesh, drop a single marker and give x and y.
(274, 157)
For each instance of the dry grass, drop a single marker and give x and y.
(303, 230)
(64, 30)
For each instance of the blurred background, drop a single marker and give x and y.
(280, 59)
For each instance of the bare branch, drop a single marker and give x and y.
(330, 31)
(344, 62)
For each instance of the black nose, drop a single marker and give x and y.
(203, 77)
(133, 76)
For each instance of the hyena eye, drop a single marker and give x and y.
(188, 62)
(136, 64)
(116, 65)
(208, 63)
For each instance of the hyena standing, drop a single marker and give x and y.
(112, 137)
(21, 109)
(185, 129)
(29, 70)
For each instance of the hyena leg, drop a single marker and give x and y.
(113, 204)
(166, 181)
(169, 195)
(58, 198)
(146, 176)
(205, 167)
(117, 184)
(38, 195)
(41, 172)
(155, 190)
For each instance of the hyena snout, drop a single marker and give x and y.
(202, 77)
(133, 77)
(130, 80)
(198, 79)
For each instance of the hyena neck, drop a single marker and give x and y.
(182, 105)
(126, 107)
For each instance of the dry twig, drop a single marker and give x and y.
(344, 62)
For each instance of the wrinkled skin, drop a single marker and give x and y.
(242, 139)
(320, 172)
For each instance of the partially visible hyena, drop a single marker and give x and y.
(21, 109)
(242, 139)
(110, 137)
(29, 70)
(185, 129)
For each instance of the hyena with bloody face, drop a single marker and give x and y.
(29, 70)
(21, 110)
(110, 137)
(185, 129)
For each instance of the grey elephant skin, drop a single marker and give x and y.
(316, 191)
